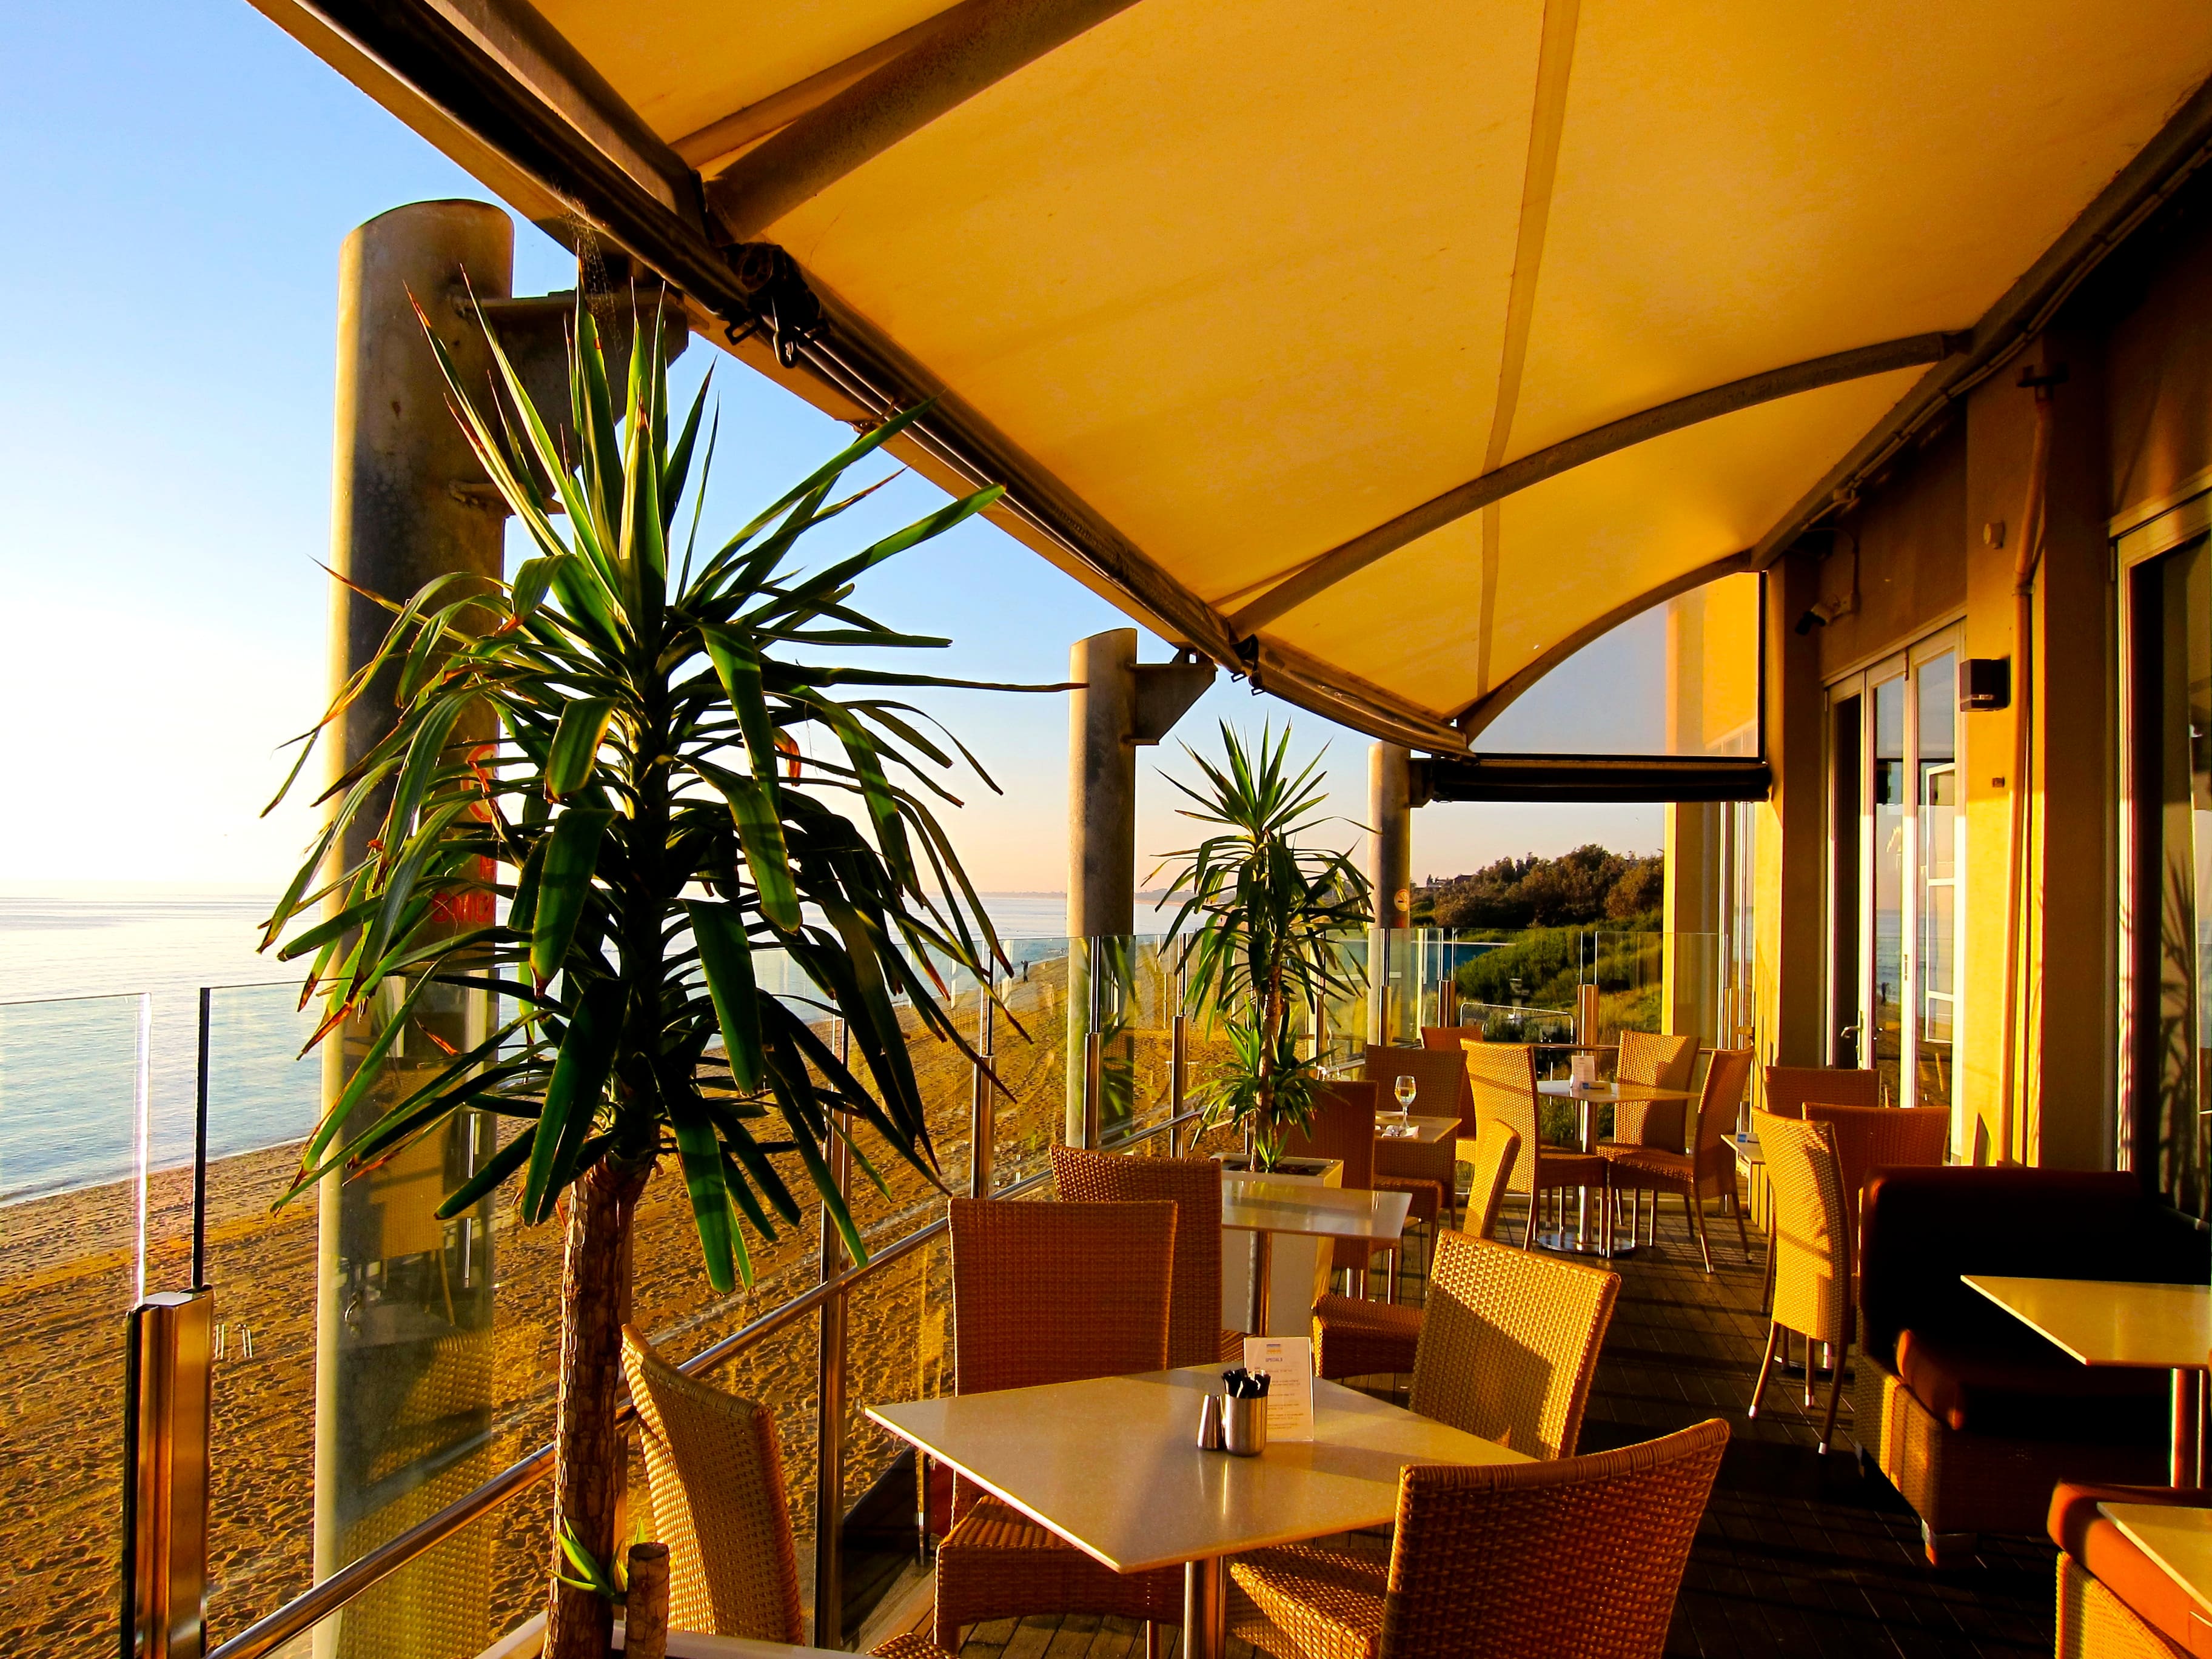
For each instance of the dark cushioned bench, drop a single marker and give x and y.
(1971, 1415)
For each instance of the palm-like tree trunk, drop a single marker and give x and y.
(594, 1280)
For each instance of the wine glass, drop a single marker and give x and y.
(1405, 1089)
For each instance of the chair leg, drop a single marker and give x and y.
(1528, 1234)
(1836, 1357)
(1735, 1209)
(1766, 1369)
(1697, 1208)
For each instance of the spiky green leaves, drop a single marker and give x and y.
(609, 785)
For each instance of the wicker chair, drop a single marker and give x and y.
(1354, 1338)
(1446, 1039)
(1505, 1347)
(1658, 1062)
(1584, 1557)
(1193, 1185)
(1497, 1150)
(1788, 1087)
(1502, 1076)
(716, 1474)
(1430, 1173)
(1342, 1127)
(1049, 1293)
(1813, 1255)
(1708, 1169)
(1870, 1137)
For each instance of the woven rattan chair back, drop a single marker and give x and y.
(1812, 1228)
(1728, 1075)
(1439, 1078)
(1509, 1342)
(1342, 1127)
(1661, 1062)
(1870, 1137)
(716, 1473)
(1058, 1293)
(1193, 1185)
(1496, 1149)
(1788, 1087)
(1446, 1039)
(1502, 1079)
(1583, 1556)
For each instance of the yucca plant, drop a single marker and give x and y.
(1261, 925)
(644, 821)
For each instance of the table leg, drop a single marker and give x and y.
(2188, 1401)
(1263, 1273)
(1206, 1607)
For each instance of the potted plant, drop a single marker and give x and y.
(661, 822)
(1265, 919)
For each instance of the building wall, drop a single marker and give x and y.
(1936, 542)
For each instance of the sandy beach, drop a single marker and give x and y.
(69, 1280)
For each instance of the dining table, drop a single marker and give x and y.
(1255, 1205)
(1588, 1097)
(1419, 1130)
(1112, 1465)
(2099, 1322)
(2178, 1539)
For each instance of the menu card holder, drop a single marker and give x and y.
(1288, 1361)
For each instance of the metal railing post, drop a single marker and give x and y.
(200, 1144)
(169, 1370)
(982, 1110)
(1092, 1079)
(829, 1413)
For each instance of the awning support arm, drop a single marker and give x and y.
(1317, 575)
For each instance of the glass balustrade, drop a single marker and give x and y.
(81, 1224)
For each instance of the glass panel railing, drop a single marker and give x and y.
(1029, 1057)
(262, 1100)
(1524, 985)
(73, 1145)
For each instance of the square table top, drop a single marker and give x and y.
(1426, 1131)
(1112, 1464)
(1256, 1204)
(2110, 1323)
(1562, 1089)
(2179, 1540)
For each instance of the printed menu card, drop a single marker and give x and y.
(1289, 1363)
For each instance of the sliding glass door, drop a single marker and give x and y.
(2169, 909)
(1895, 834)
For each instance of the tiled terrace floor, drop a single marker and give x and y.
(1798, 1554)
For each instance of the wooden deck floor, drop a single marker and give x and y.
(1798, 1553)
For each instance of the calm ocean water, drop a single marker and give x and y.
(83, 976)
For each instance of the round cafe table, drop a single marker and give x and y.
(1586, 1095)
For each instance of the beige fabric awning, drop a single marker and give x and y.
(1221, 290)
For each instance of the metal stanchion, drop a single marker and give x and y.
(167, 1370)
(829, 1412)
(982, 1111)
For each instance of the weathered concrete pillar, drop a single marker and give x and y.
(1102, 785)
(1389, 873)
(403, 1357)
(1117, 707)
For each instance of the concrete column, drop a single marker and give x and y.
(403, 1357)
(1102, 785)
(1389, 873)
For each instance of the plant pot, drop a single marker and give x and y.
(1300, 1264)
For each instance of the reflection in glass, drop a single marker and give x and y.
(1937, 764)
(1888, 1015)
(2172, 723)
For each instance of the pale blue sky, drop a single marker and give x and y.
(177, 177)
